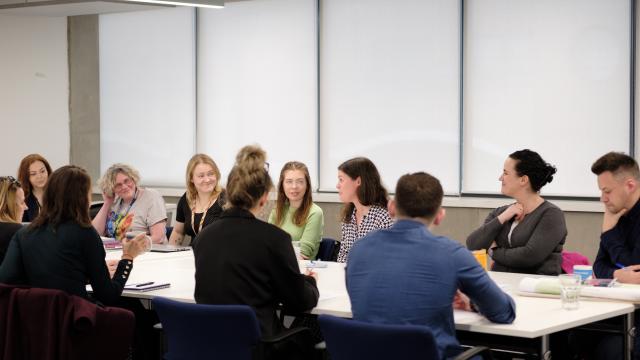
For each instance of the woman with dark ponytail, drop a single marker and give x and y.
(526, 236)
(243, 260)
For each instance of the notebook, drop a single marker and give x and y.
(168, 248)
(111, 243)
(146, 286)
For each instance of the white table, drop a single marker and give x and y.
(536, 318)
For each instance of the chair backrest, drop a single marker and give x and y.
(51, 324)
(199, 331)
(326, 251)
(169, 230)
(352, 339)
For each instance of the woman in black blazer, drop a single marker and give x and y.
(243, 260)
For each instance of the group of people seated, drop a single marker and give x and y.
(397, 269)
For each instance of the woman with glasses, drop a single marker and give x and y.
(243, 260)
(295, 211)
(128, 207)
(61, 250)
(12, 207)
(202, 203)
(33, 173)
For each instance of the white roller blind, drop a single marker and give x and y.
(548, 75)
(147, 92)
(34, 90)
(389, 87)
(257, 82)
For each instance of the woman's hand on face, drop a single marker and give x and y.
(108, 199)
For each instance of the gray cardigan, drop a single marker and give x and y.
(536, 243)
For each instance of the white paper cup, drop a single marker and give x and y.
(585, 271)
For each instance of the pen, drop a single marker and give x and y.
(145, 284)
(620, 266)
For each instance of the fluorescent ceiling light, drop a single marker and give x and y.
(214, 4)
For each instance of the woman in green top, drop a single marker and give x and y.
(295, 211)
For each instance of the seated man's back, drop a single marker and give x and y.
(407, 275)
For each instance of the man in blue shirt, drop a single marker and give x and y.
(407, 275)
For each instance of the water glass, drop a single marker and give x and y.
(570, 290)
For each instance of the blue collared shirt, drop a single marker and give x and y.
(407, 275)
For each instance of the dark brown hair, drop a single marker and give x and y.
(66, 198)
(616, 163)
(370, 192)
(249, 178)
(23, 171)
(418, 195)
(538, 171)
(300, 216)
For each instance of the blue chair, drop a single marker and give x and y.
(200, 331)
(196, 331)
(350, 339)
(326, 250)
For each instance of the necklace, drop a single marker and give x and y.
(204, 214)
(120, 218)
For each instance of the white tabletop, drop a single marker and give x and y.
(534, 316)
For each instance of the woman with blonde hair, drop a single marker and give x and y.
(202, 203)
(128, 207)
(12, 207)
(243, 260)
(295, 211)
(33, 173)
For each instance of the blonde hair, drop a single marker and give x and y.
(249, 179)
(107, 182)
(9, 209)
(196, 160)
(301, 214)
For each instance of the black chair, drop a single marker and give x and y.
(199, 331)
(327, 252)
(94, 208)
(350, 339)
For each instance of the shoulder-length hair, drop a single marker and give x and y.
(370, 192)
(66, 198)
(9, 208)
(300, 216)
(23, 171)
(196, 160)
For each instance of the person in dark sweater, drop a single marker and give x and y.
(526, 236)
(61, 250)
(243, 260)
(12, 207)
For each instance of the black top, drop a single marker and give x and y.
(63, 259)
(619, 245)
(34, 208)
(7, 230)
(243, 260)
(183, 214)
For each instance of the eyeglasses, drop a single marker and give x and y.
(11, 180)
(127, 182)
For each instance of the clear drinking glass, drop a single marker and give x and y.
(570, 290)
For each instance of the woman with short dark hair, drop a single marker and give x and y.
(61, 250)
(526, 236)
